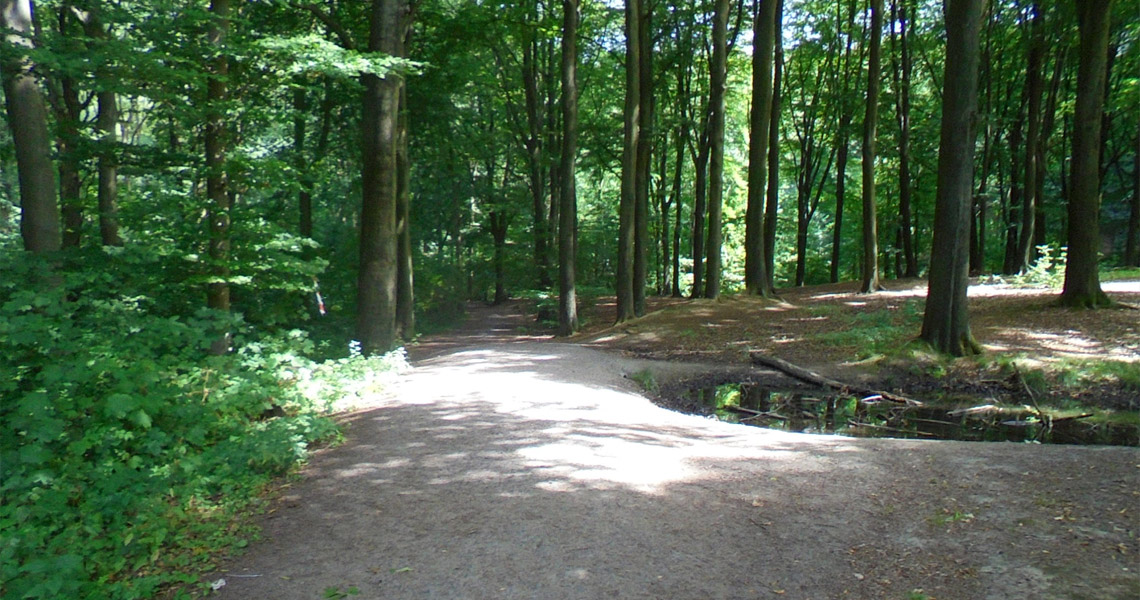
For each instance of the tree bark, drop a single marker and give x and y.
(1082, 279)
(405, 267)
(1132, 244)
(217, 192)
(534, 150)
(27, 119)
(568, 212)
(842, 147)
(1033, 89)
(677, 206)
(644, 156)
(760, 119)
(870, 123)
(902, 72)
(718, 71)
(107, 121)
(772, 202)
(377, 276)
(946, 324)
(627, 208)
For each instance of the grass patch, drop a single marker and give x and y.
(871, 333)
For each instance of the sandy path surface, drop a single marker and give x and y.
(535, 470)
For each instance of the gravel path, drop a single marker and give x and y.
(535, 470)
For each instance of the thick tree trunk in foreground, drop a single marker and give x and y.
(764, 34)
(945, 323)
(718, 71)
(217, 192)
(27, 119)
(627, 207)
(568, 211)
(870, 123)
(1082, 279)
(376, 279)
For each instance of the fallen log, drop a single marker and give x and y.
(813, 378)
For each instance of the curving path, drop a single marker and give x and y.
(535, 470)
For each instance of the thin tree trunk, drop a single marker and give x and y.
(677, 206)
(377, 276)
(405, 267)
(842, 144)
(534, 153)
(644, 156)
(568, 212)
(1010, 265)
(772, 203)
(946, 324)
(217, 192)
(760, 119)
(718, 70)
(1033, 91)
(1082, 279)
(700, 209)
(870, 123)
(1132, 245)
(902, 72)
(27, 119)
(627, 209)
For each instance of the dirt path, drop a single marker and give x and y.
(535, 470)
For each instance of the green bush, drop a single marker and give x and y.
(126, 453)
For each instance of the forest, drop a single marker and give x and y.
(217, 217)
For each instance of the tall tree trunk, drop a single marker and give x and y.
(842, 147)
(1082, 279)
(902, 71)
(772, 203)
(627, 209)
(946, 323)
(978, 213)
(107, 121)
(644, 156)
(870, 123)
(760, 119)
(67, 110)
(568, 212)
(1033, 89)
(376, 279)
(1010, 264)
(217, 192)
(1132, 245)
(678, 204)
(665, 202)
(405, 267)
(27, 119)
(534, 149)
(1048, 119)
(718, 71)
(700, 208)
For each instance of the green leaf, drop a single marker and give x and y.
(118, 405)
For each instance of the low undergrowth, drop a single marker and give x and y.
(128, 456)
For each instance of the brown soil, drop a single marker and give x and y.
(800, 327)
(505, 466)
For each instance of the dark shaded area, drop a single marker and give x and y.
(761, 405)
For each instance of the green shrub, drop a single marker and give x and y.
(127, 453)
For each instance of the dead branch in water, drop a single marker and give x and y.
(813, 378)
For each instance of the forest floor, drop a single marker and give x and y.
(508, 465)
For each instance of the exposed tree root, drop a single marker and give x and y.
(813, 378)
